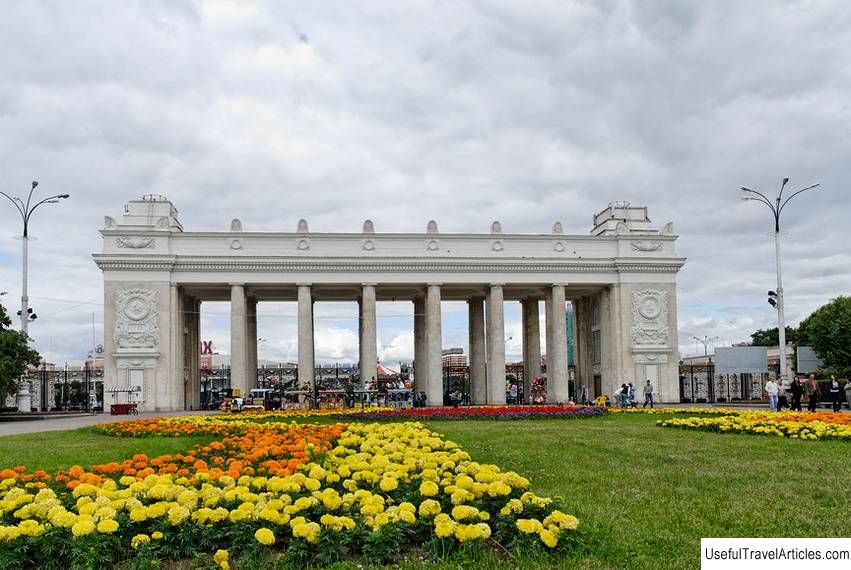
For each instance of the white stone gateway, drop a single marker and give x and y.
(621, 279)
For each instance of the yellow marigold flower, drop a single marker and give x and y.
(561, 520)
(429, 508)
(139, 540)
(529, 526)
(83, 527)
(388, 484)
(464, 512)
(548, 538)
(498, 489)
(514, 506)
(157, 535)
(445, 528)
(265, 536)
(429, 489)
(107, 526)
(31, 528)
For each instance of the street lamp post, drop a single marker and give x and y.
(777, 299)
(26, 209)
(705, 341)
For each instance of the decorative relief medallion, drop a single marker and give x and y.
(646, 245)
(559, 246)
(432, 245)
(368, 245)
(497, 245)
(136, 314)
(236, 244)
(650, 317)
(135, 242)
(303, 245)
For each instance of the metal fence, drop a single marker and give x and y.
(700, 384)
(68, 389)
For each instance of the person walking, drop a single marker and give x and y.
(848, 393)
(631, 392)
(771, 389)
(623, 395)
(648, 395)
(782, 390)
(835, 398)
(812, 392)
(797, 391)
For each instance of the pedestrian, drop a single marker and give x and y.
(835, 398)
(782, 389)
(623, 395)
(631, 392)
(848, 393)
(771, 389)
(648, 395)
(797, 390)
(812, 392)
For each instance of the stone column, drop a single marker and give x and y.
(557, 384)
(173, 390)
(478, 354)
(368, 344)
(420, 359)
(251, 343)
(434, 346)
(193, 379)
(238, 332)
(496, 345)
(531, 345)
(305, 335)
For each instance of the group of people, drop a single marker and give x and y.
(798, 388)
(626, 395)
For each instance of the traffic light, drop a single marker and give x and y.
(772, 299)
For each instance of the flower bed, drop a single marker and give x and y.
(794, 425)
(309, 493)
(481, 412)
(678, 411)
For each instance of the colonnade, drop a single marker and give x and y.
(486, 340)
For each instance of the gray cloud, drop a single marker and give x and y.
(462, 112)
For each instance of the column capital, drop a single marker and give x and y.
(304, 284)
(558, 285)
(496, 284)
(369, 284)
(236, 284)
(433, 284)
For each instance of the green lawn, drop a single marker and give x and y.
(85, 447)
(645, 494)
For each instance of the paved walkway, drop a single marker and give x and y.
(60, 423)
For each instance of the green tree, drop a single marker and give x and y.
(828, 331)
(771, 337)
(15, 355)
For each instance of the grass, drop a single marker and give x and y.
(85, 447)
(645, 494)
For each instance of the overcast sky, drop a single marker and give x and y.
(465, 112)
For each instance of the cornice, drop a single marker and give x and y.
(349, 265)
(357, 236)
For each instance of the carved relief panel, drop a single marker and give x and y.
(650, 317)
(137, 319)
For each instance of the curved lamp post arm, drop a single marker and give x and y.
(14, 202)
(795, 194)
